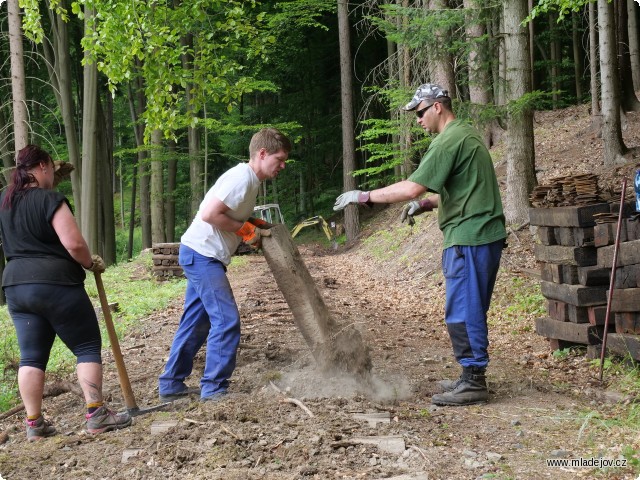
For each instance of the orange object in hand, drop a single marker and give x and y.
(251, 234)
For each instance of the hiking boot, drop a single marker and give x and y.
(105, 420)
(469, 389)
(216, 397)
(172, 397)
(39, 428)
(448, 385)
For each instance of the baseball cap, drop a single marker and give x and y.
(427, 91)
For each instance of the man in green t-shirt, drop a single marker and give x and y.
(458, 169)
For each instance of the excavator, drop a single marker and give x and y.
(271, 213)
(317, 220)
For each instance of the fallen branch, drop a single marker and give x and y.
(419, 450)
(52, 390)
(230, 432)
(295, 401)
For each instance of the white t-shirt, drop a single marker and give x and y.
(238, 189)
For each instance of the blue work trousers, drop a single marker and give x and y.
(211, 315)
(470, 273)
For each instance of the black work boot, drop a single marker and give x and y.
(470, 389)
(448, 385)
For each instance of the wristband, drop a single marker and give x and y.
(363, 198)
(425, 205)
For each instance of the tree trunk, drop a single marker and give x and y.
(521, 178)
(555, 60)
(499, 63)
(351, 214)
(614, 148)
(170, 206)
(157, 189)
(442, 71)
(393, 79)
(628, 97)
(104, 186)
(59, 66)
(634, 43)
(594, 62)
(479, 82)
(143, 167)
(88, 211)
(577, 55)
(19, 101)
(404, 77)
(198, 180)
(5, 153)
(531, 26)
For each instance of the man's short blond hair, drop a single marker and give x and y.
(271, 139)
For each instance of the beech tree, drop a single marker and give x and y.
(19, 96)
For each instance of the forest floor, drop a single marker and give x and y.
(388, 283)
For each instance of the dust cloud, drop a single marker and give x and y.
(312, 383)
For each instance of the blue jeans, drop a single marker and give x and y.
(211, 315)
(470, 274)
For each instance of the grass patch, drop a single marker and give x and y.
(384, 244)
(130, 284)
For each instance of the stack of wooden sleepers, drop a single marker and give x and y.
(575, 251)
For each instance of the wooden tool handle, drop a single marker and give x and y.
(125, 385)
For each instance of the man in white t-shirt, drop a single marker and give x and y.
(210, 312)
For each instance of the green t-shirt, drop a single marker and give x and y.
(459, 168)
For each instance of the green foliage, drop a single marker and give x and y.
(536, 100)
(632, 455)
(563, 7)
(128, 39)
(302, 14)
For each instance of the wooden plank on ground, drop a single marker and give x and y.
(583, 333)
(626, 300)
(578, 295)
(628, 254)
(580, 256)
(624, 344)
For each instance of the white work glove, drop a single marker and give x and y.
(352, 196)
(415, 207)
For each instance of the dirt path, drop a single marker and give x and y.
(536, 410)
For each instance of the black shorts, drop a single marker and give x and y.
(41, 311)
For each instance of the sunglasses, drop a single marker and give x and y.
(420, 113)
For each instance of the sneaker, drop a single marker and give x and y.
(216, 397)
(172, 397)
(105, 420)
(39, 428)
